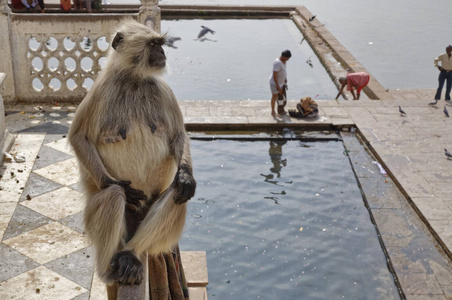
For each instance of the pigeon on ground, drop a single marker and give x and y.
(448, 154)
(401, 111)
(446, 112)
(205, 30)
(433, 102)
(312, 18)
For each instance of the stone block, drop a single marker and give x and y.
(433, 208)
(394, 227)
(6, 139)
(195, 268)
(420, 284)
(197, 293)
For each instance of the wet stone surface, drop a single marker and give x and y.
(422, 268)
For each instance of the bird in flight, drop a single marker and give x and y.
(204, 31)
(170, 41)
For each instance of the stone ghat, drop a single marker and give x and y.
(410, 148)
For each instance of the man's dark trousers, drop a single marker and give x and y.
(443, 76)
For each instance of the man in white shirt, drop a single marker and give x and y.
(278, 78)
(445, 73)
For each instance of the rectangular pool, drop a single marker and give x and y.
(283, 219)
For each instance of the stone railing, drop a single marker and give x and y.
(55, 57)
(6, 138)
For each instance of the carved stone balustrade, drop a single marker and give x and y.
(56, 57)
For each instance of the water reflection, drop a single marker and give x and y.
(275, 153)
(309, 240)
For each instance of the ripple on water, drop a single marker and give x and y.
(283, 219)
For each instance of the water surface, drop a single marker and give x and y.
(283, 220)
(236, 62)
(405, 35)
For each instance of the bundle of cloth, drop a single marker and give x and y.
(307, 108)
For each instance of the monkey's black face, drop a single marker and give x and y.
(157, 57)
(142, 50)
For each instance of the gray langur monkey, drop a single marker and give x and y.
(133, 151)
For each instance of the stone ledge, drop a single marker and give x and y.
(6, 138)
(314, 31)
(195, 268)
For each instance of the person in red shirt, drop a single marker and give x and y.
(354, 81)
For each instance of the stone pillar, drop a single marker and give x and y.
(6, 138)
(149, 14)
(6, 60)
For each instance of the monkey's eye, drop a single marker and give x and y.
(152, 44)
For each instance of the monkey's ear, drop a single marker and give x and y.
(117, 40)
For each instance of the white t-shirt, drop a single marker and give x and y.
(279, 67)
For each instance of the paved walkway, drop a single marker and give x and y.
(45, 255)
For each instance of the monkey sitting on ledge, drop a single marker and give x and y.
(134, 156)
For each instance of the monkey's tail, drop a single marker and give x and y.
(105, 225)
(162, 227)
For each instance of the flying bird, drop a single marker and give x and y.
(170, 41)
(309, 62)
(401, 111)
(433, 102)
(448, 154)
(312, 18)
(204, 31)
(445, 111)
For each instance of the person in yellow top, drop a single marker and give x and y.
(445, 73)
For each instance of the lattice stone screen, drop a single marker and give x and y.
(61, 64)
(57, 57)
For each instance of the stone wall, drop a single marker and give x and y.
(6, 139)
(55, 57)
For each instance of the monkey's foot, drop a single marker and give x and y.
(126, 268)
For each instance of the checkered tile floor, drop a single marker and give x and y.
(44, 253)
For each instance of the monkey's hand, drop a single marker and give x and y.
(185, 185)
(126, 268)
(133, 196)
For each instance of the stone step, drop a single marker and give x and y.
(195, 268)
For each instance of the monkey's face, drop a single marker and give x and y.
(156, 58)
(140, 48)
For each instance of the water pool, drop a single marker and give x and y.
(283, 219)
(235, 63)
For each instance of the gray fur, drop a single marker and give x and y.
(128, 135)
